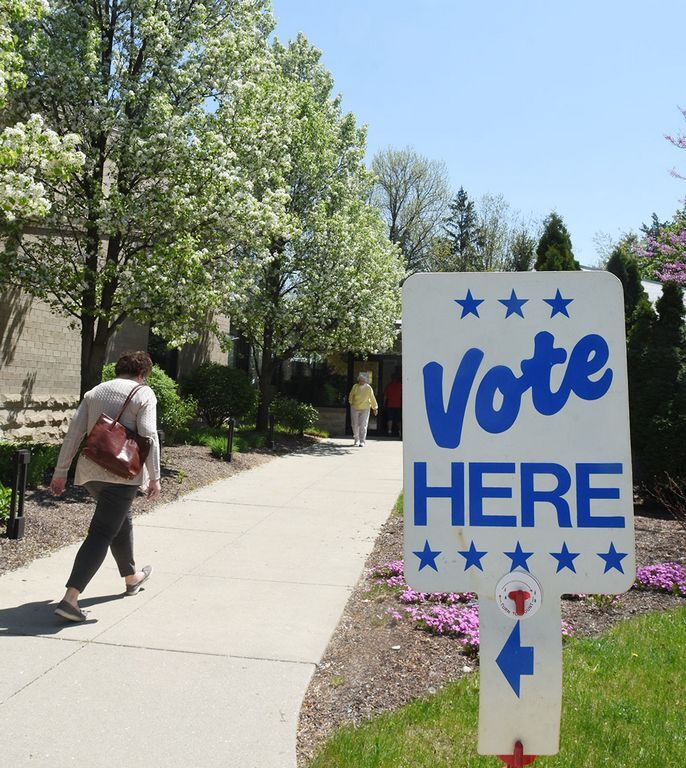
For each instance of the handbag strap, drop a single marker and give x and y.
(128, 400)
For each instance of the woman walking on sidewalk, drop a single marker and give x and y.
(361, 400)
(111, 526)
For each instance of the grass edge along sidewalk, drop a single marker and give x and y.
(624, 695)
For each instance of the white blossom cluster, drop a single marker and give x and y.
(218, 171)
(11, 74)
(28, 150)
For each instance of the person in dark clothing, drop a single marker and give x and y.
(393, 404)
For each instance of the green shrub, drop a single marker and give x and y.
(214, 438)
(221, 392)
(43, 459)
(248, 439)
(293, 415)
(173, 412)
(197, 435)
(5, 499)
(217, 446)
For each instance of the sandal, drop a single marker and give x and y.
(132, 589)
(70, 612)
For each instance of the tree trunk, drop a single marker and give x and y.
(93, 352)
(90, 375)
(87, 338)
(265, 375)
(273, 287)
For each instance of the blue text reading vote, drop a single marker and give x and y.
(588, 357)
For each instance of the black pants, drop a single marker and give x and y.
(393, 417)
(110, 528)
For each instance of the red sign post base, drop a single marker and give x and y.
(519, 759)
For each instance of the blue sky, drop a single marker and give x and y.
(554, 105)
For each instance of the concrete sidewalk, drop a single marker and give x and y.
(207, 666)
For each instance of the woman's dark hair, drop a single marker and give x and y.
(133, 364)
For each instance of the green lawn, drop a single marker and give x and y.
(398, 506)
(624, 706)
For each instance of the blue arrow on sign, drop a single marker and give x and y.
(515, 660)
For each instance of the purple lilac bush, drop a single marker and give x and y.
(664, 256)
(663, 577)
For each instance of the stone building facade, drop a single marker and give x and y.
(40, 365)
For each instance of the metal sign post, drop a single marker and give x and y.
(517, 472)
(229, 439)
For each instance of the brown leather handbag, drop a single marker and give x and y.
(114, 447)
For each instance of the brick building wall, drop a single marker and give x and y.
(39, 368)
(206, 350)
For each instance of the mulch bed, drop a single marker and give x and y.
(374, 664)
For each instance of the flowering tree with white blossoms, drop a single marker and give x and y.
(329, 278)
(28, 149)
(144, 229)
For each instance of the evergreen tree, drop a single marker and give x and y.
(441, 255)
(654, 228)
(462, 229)
(522, 251)
(642, 401)
(657, 368)
(623, 264)
(554, 251)
(668, 345)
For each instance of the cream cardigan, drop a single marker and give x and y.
(140, 415)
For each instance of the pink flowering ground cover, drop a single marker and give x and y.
(663, 577)
(456, 614)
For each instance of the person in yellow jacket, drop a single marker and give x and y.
(361, 400)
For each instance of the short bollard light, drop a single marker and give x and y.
(16, 521)
(160, 440)
(270, 437)
(229, 439)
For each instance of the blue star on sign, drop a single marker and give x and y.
(427, 556)
(558, 304)
(469, 305)
(514, 305)
(472, 557)
(613, 559)
(565, 558)
(519, 557)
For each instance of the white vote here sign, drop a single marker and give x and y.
(517, 470)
